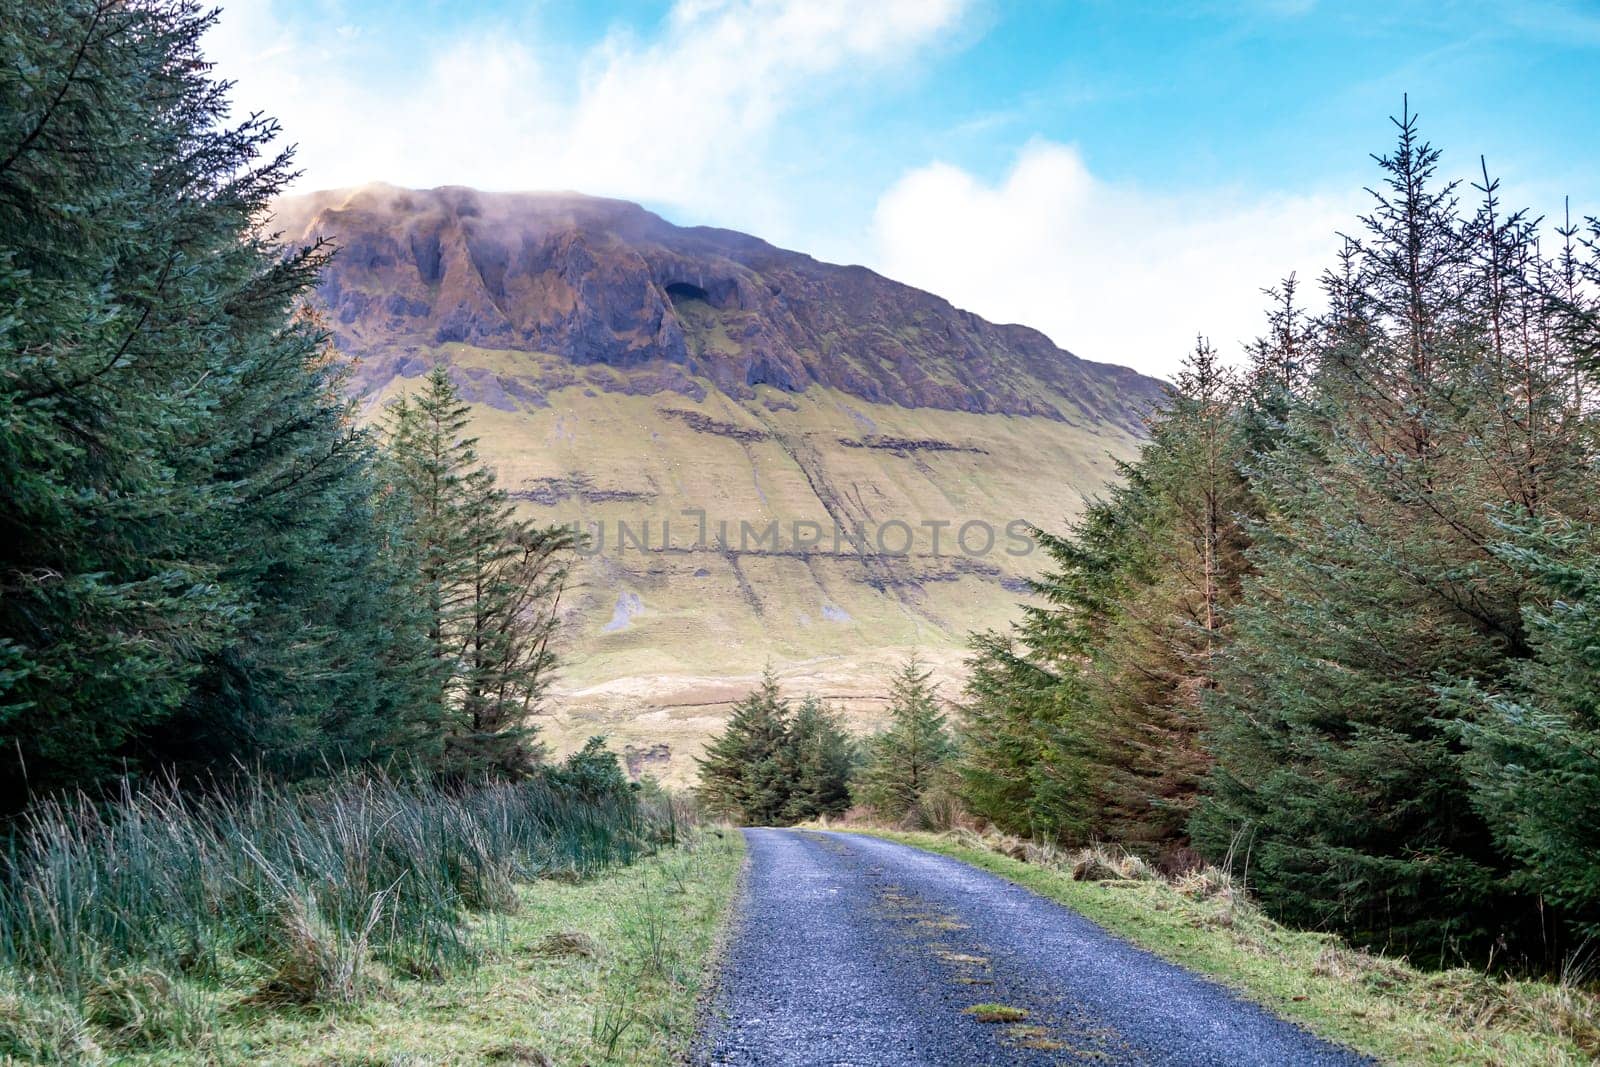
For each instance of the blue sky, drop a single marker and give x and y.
(1122, 175)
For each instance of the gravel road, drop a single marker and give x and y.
(850, 950)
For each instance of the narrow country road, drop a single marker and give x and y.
(850, 950)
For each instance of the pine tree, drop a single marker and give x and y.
(490, 585)
(746, 773)
(508, 659)
(105, 604)
(594, 773)
(821, 757)
(907, 760)
(187, 499)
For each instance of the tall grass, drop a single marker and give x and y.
(112, 916)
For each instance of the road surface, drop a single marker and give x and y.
(851, 950)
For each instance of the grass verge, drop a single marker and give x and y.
(1383, 1007)
(606, 970)
(138, 923)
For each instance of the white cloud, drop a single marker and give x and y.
(690, 117)
(1108, 271)
(680, 119)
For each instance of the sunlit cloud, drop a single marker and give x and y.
(694, 113)
(682, 118)
(1112, 272)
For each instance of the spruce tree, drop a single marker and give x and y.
(1157, 657)
(188, 526)
(1086, 722)
(905, 761)
(1032, 752)
(489, 585)
(820, 757)
(1533, 746)
(320, 672)
(1437, 396)
(999, 732)
(107, 603)
(746, 773)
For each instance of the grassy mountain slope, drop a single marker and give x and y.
(625, 371)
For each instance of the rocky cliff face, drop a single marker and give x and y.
(630, 376)
(605, 283)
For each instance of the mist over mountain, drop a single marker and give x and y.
(606, 283)
(627, 371)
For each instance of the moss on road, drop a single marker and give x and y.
(1380, 1006)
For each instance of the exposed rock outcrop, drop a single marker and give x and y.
(605, 283)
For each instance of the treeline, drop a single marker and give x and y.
(1338, 624)
(775, 764)
(206, 561)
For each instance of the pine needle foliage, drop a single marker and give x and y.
(906, 761)
(1532, 755)
(1335, 622)
(822, 758)
(774, 765)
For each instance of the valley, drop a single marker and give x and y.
(442, 625)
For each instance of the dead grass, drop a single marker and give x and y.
(996, 1013)
(518, 1052)
(962, 959)
(567, 943)
(1033, 1037)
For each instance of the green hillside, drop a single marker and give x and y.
(659, 638)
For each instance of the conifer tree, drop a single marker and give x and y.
(490, 585)
(906, 760)
(999, 733)
(1032, 739)
(1101, 562)
(746, 772)
(1436, 399)
(189, 539)
(1533, 747)
(1314, 563)
(1157, 657)
(319, 672)
(821, 757)
(1094, 706)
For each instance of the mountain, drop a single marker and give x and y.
(628, 374)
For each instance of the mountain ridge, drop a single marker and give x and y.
(624, 371)
(605, 282)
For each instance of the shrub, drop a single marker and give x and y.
(593, 772)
